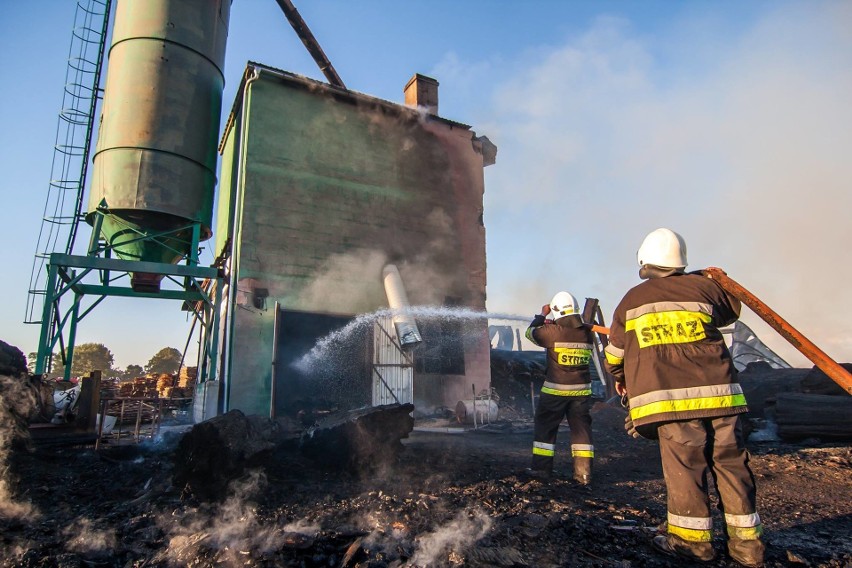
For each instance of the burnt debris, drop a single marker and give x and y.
(359, 440)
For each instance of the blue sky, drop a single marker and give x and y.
(727, 121)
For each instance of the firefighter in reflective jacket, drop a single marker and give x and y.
(567, 389)
(668, 356)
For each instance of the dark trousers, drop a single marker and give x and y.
(551, 410)
(691, 449)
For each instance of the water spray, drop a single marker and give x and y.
(316, 357)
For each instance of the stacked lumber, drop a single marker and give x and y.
(140, 387)
(165, 381)
(187, 378)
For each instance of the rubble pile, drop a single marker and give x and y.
(447, 500)
(366, 489)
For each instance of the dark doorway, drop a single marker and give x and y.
(320, 366)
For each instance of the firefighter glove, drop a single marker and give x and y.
(628, 421)
(630, 427)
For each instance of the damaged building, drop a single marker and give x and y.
(342, 219)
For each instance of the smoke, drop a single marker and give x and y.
(434, 270)
(17, 401)
(740, 145)
(338, 287)
(84, 537)
(301, 527)
(452, 539)
(228, 531)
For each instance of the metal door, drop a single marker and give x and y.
(392, 368)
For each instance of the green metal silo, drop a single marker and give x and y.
(155, 161)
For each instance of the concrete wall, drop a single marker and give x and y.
(325, 189)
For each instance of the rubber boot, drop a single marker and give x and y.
(676, 546)
(747, 552)
(583, 471)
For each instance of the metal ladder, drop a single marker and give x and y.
(63, 209)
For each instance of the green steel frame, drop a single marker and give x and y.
(68, 275)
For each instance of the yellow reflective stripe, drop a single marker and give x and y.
(708, 403)
(745, 533)
(582, 450)
(529, 335)
(744, 527)
(692, 535)
(560, 344)
(684, 393)
(560, 386)
(583, 453)
(693, 529)
(705, 523)
(612, 359)
(615, 351)
(665, 328)
(571, 357)
(560, 392)
(543, 449)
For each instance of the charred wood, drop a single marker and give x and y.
(801, 415)
(360, 440)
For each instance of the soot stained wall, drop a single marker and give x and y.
(324, 189)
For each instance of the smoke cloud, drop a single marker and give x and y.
(452, 539)
(228, 530)
(84, 537)
(741, 147)
(338, 286)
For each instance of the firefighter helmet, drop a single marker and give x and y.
(563, 304)
(663, 248)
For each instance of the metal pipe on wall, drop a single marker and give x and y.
(406, 327)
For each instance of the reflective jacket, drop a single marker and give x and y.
(569, 350)
(665, 344)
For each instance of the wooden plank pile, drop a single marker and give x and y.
(164, 385)
(140, 387)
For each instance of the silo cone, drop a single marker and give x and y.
(406, 327)
(155, 161)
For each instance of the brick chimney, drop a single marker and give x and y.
(422, 91)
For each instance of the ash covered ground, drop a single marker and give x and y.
(447, 500)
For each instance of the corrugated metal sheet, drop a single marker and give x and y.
(393, 368)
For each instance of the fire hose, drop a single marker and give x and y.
(806, 347)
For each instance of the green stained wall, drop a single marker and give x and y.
(324, 188)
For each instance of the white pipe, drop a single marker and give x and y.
(406, 327)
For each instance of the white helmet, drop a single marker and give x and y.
(563, 304)
(663, 248)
